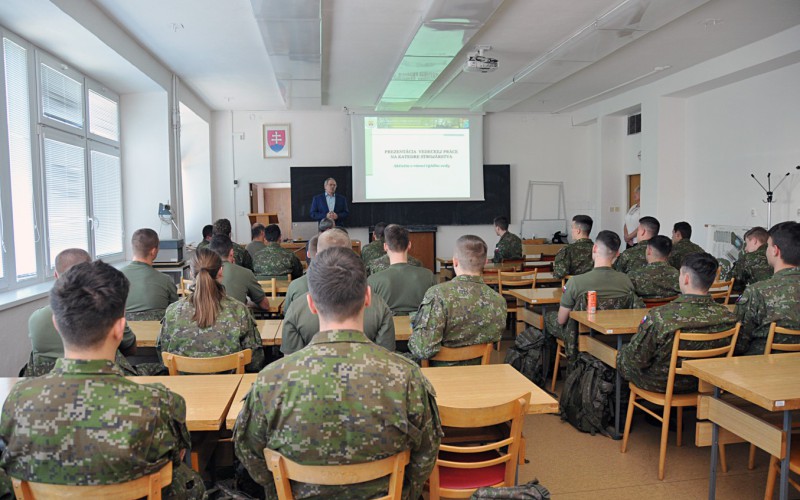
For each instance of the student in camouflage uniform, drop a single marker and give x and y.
(682, 244)
(635, 257)
(368, 403)
(752, 266)
(240, 254)
(461, 312)
(239, 282)
(657, 279)
(774, 299)
(122, 430)
(208, 232)
(509, 246)
(402, 285)
(274, 260)
(151, 291)
(382, 263)
(375, 248)
(258, 240)
(576, 258)
(645, 360)
(208, 322)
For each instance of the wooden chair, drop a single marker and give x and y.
(146, 486)
(460, 470)
(185, 288)
(668, 399)
(509, 280)
(559, 354)
(513, 264)
(482, 351)
(215, 364)
(283, 470)
(276, 286)
(565, 279)
(721, 290)
(775, 469)
(660, 301)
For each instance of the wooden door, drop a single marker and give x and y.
(633, 182)
(254, 198)
(279, 201)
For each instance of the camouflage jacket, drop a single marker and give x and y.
(680, 250)
(655, 280)
(242, 257)
(297, 289)
(645, 360)
(508, 247)
(372, 251)
(776, 299)
(574, 259)
(233, 331)
(367, 404)
(382, 263)
(632, 258)
(463, 311)
(84, 423)
(751, 268)
(276, 261)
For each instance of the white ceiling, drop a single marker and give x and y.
(219, 52)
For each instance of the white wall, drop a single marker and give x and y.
(196, 174)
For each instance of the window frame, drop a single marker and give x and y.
(99, 88)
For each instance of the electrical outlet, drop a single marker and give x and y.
(753, 212)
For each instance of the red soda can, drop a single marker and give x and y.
(591, 302)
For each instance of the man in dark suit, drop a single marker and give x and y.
(329, 204)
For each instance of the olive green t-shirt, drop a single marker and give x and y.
(254, 247)
(402, 286)
(240, 283)
(150, 290)
(608, 284)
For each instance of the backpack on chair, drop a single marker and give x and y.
(530, 355)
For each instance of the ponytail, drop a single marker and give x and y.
(208, 293)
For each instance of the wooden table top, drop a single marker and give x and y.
(769, 381)
(547, 277)
(486, 385)
(402, 328)
(611, 322)
(147, 331)
(238, 399)
(538, 295)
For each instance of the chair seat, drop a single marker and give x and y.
(462, 479)
(659, 398)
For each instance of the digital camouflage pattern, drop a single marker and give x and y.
(276, 261)
(241, 256)
(297, 289)
(680, 250)
(300, 325)
(6, 489)
(508, 247)
(156, 315)
(632, 258)
(84, 423)
(233, 331)
(575, 258)
(372, 251)
(254, 247)
(751, 268)
(775, 299)
(382, 263)
(402, 286)
(463, 311)
(655, 280)
(340, 400)
(645, 360)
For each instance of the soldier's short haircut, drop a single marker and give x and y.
(758, 233)
(337, 282)
(396, 237)
(256, 231)
(609, 240)
(208, 230)
(143, 241)
(379, 228)
(661, 246)
(325, 224)
(501, 222)
(701, 268)
(786, 236)
(334, 237)
(70, 257)
(312, 245)
(684, 229)
(471, 252)
(650, 224)
(222, 245)
(87, 300)
(583, 223)
(272, 233)
(222, 226)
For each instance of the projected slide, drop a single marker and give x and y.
(416, 157)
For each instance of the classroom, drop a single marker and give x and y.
(693, 101)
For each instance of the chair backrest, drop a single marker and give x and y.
(513, 264)
(465, 353)
(275, 286)
(284, 469)
(702, 353)
(516, 279)
(146, 486)
(512, 411)
(660, 301)
(785, 347)
(215, 364)
(185, 288)
(565, 279)
(721, 290)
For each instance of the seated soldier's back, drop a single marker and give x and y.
(150, 290)
(608, 284)
(402, 286)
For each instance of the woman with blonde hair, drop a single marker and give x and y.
(209, 323)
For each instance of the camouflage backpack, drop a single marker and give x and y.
(530, 355)
(586, 400)
(530, 491)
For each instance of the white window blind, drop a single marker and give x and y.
(18, 105)
(103, 116)
(62, 96)
(65, 188)
(106, 203)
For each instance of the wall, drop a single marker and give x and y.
(16, 346)
(196, 174)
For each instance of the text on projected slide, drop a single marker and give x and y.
(417, 157)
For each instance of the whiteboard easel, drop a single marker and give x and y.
(545, 210)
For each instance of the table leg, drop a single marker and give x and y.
(787, 431)
(618, 392)
(712, 481)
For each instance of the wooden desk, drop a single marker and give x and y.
(770, 382)
(299, 248)
(527, 302)
(541, 278)
(480, 386)
(238, 399)
(402, 328)
(548, 249)
(270, 330)
(147, 331)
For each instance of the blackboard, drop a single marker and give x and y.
(307, 182)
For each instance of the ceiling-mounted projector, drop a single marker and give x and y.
(480, 63)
